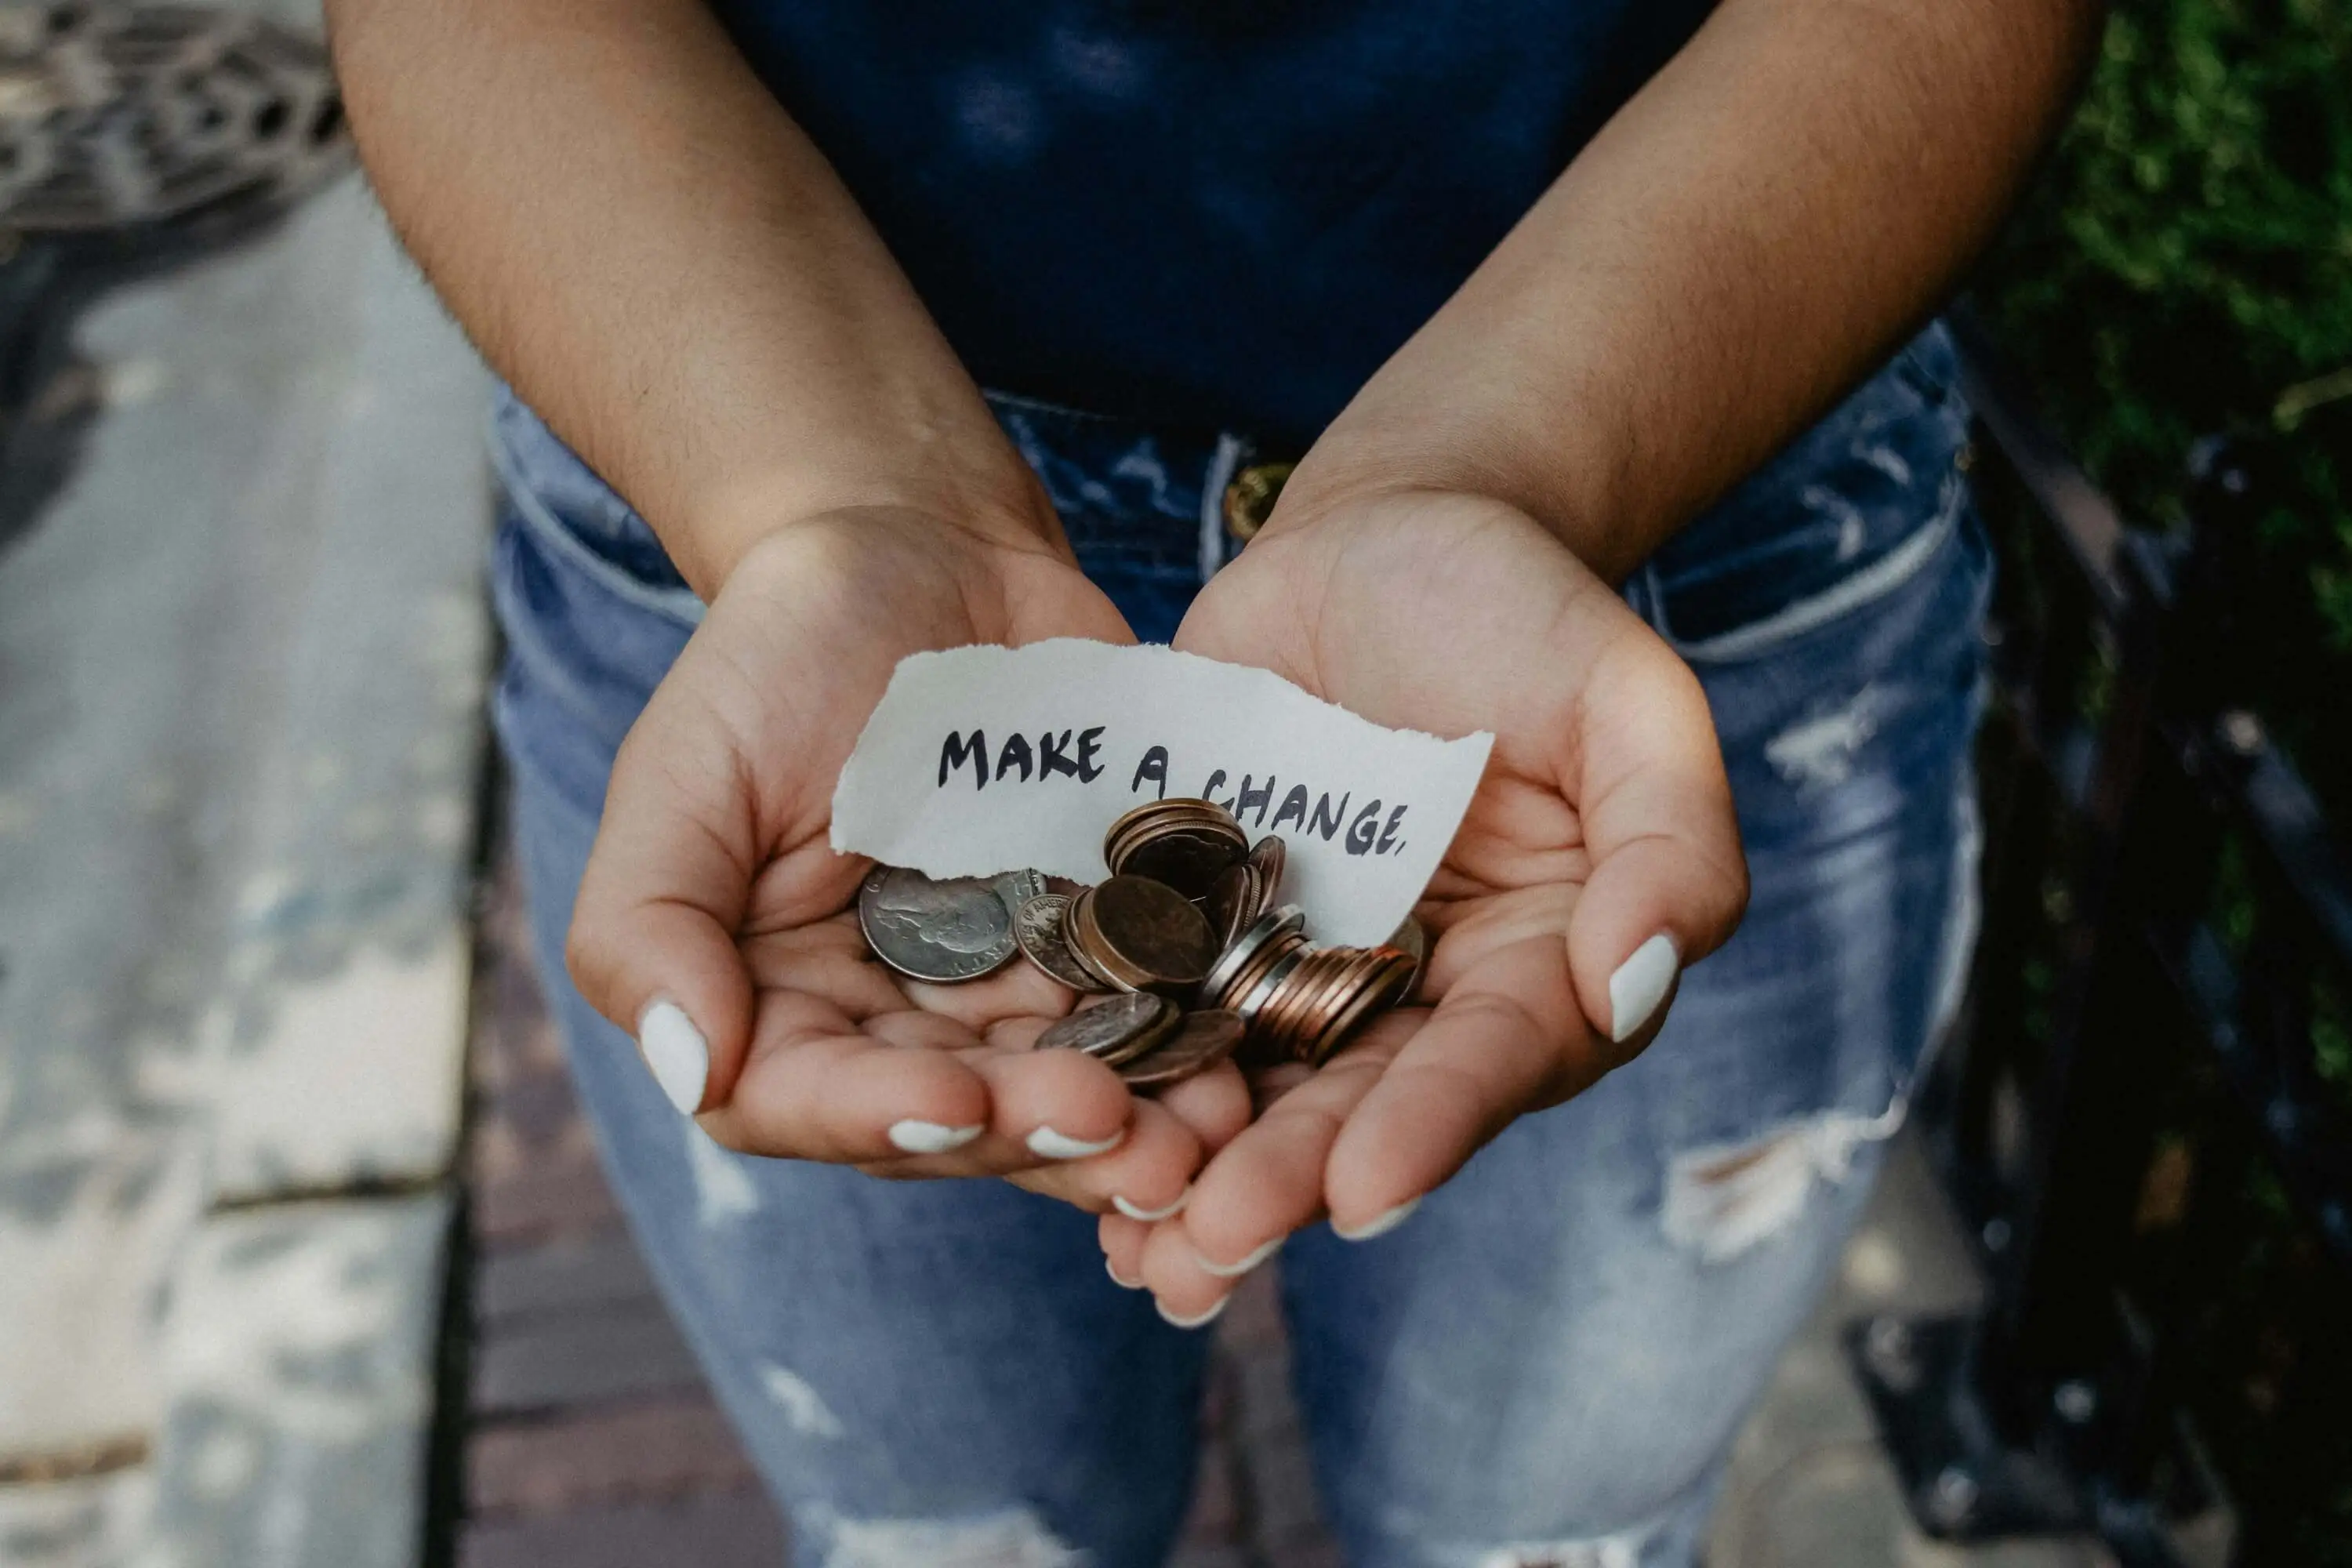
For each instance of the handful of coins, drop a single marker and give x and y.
(1185, 941)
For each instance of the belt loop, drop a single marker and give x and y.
(1231, 454)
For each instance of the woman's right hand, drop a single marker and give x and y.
(715, 922)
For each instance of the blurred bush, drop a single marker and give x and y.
(2183, 267)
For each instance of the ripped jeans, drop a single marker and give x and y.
(1548, 1365)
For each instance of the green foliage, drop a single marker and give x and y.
(2184, 267)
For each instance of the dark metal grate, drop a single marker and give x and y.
(120, 117)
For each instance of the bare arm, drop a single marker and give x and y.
(637, 237)
(1752, 233)
(640, 239)
(1744, 239)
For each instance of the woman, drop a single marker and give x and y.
(1569, 314)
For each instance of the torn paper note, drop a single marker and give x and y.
(982, 760)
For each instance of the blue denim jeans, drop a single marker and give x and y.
(1548, 1365)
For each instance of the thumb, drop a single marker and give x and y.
(652, 944)
(1669, 881)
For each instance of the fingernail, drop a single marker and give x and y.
(930, 1137)
(1116, 1279)
(1640, 983)
(1379, 1225)
(1052, 1145)
(1134, 1211)
(677, 1054)
(1229, 1270)
(1193, 1322)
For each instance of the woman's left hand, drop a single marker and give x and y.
(1600, 854)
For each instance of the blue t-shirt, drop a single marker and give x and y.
(1225, 214)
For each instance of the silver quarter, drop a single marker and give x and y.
(1116, 1031)
(943, 931)
(1038, 926)
(1017, 887)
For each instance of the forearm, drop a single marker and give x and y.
(639, 239)
(1746, 239)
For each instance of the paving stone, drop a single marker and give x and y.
(1252, 1318)
(736, 1530)
(1215, 1516)
(298, 1354)
(603, 1458)
(86, 1244)
(596, 1273)
(352, 953)
(1217, 1556)
(1808, 1483)
(240, 723)
(552, 1363)
(1265, 1406)
(1279, 1491)
(564, 1195)
(86, 1523)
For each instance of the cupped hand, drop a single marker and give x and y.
(1600, 854)
(714, 922)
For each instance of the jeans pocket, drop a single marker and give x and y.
(578, 518)
(1845, 514)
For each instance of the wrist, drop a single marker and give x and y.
(999, 505)
(1573, 486)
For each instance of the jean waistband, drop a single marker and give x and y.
(1144, 497)
(1844, 510)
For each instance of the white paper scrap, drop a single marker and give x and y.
(982, 760)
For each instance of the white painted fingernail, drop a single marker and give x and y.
(1134, 1211)
(1229, 1270)
(930, 1137)
(676, 1052)
(1640, 983)
(1052, 1145)
(1116, 1279)
(1379, 1225)
(1194, 1322)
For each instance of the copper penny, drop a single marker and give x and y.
(1288, 920)
(1198, 1044)
(1271, 857)
(1147, 936)
(1413, 943)
(1235, 900)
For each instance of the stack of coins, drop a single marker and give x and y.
(1186, 920)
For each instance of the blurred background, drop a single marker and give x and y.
(304, 1258)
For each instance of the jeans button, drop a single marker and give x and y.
(1249, 500)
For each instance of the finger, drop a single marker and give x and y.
(1122, 1244)
(819, 1090)
(652, 944)
(1215, 1105)
(1269, 1181)
(1018, 990)
(1053, 1105)
(1187, 1294)
(1669, 880)
(1508, 1038)
(1147, 1178)
(827, 958)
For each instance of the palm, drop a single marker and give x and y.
(1603, 819)
(714, 881)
